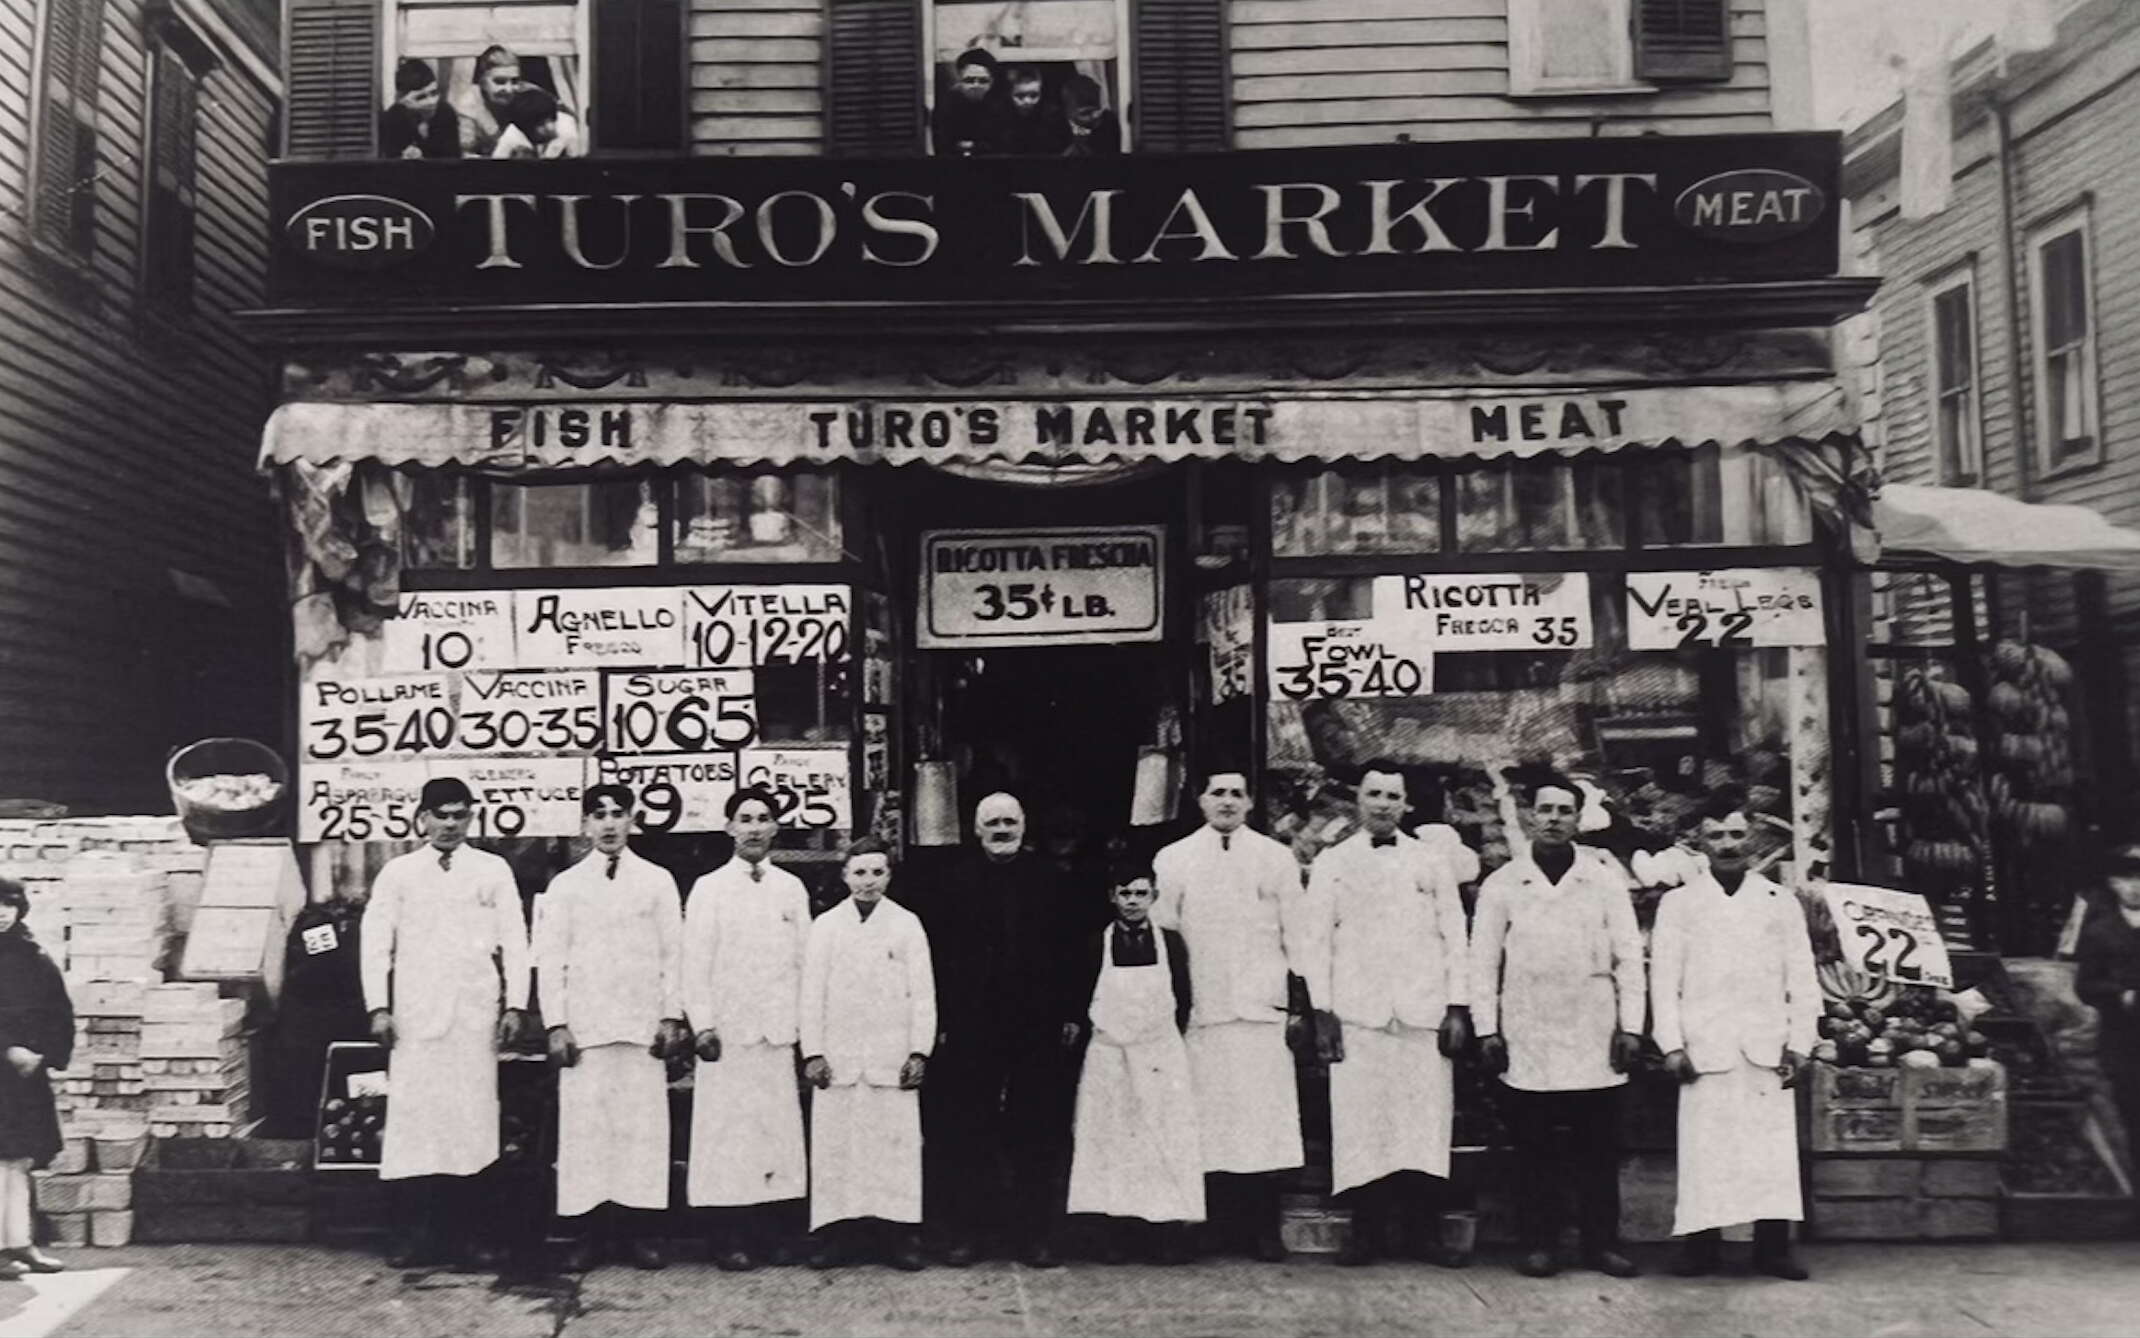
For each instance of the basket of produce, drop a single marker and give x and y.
(229, 789)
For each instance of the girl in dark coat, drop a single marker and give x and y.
(36, 1036)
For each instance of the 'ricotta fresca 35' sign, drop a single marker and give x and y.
(1382, 218)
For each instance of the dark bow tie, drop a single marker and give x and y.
(1380, 841)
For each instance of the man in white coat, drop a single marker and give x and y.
(444, 946)
(745, 928)
(1398, 985)
(868, 1025)
(1558, 999)
(609, 946)
(1235, 896)
(1734, 1002)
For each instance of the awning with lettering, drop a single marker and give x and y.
(553, 434)
(1975, 526)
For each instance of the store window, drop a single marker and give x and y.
(1607, 46)
(1356, 510)
(2067, 434)
(613, 523)
(761, 516)
(1054, 77)
(178, 62)
(65, 74)
(1953, 342)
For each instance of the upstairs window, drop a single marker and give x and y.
(1046, 59)
(1615, 46)
(1952, 339)
(63, 126)
(178, 61)
(2067, 413)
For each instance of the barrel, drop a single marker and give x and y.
(224, 757)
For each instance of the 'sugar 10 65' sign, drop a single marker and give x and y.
(1478, 214)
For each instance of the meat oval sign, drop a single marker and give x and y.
(1759, 204)
(363, 232)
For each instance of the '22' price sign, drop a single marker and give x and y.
(1889, 933)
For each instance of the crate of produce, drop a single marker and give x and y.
(2060, 1180)
(1883, 1110)
(356, 1101)
(1903, 1198)
(2034, 1070)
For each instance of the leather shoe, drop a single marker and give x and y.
(36, 1260)
(412, 1252)
(906, 1256)
(483, 1258)
(1537, 1264)
(1270, 1248)
(828, 1252)
(648, 1254)
(960, 1254)
(1782, 1265)
(1612, 1264)
(1359, 1248)
(1040, 1254)
(581, 1256)
(735, 1260)
(10, 1271)
(1177, 1245)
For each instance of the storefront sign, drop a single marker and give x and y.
(567, 629)
(685, 793)
(1350, 658)
(1229, 635)
(811, 785)
(744, 626)
(695, 711)
(1888, 933)
(1534, 611)
(449, 630)
(352, 719)
(360, 801)
(1052, 587)
(1456, 214)
(1742, 607)
(528, 712)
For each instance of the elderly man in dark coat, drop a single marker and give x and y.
(36, 1036)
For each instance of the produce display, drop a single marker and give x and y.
(1902, 1027)
(1938, 782)
(2031, 786)
(350, 1129)
(231, 793)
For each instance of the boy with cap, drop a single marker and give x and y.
(444, 943)
(609, 958)
(418, 123)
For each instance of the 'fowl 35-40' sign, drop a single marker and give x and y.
(1374, 219)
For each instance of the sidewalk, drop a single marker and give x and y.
(1892, 1291)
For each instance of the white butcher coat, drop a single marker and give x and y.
(744, 941)
(609, 961)
(444, 947)
(1555, 969)
(1239, 905)
(1399, 960)
(1732, 984)
(868, 1002)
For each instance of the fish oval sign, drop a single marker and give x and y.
(360, 231)
(1752, 205)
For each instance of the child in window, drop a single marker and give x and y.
(971, 119)
(1094, 130)
(418, 123)
(1034, 125)
(536, 128)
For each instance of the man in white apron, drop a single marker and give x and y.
(1557, 994)
(1236, 898)
(609, 960)
(1398, 983)
(1734, 1002)
(745, 928)
(444, 945)
(868, 1025)
(1135, 1154)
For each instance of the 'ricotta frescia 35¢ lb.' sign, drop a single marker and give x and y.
(1041, 587)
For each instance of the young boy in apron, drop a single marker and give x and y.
(1135, 1157)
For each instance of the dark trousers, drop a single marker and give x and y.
(997, 1139)
(1242, 1210)
(444, 1210)
(615, 1222)
(1571, 1141)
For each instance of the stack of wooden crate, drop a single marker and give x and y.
(1906, 1153)
(193, 1052)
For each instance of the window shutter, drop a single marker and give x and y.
(167, 233)
(1682, 39)
(1179, 104)
(330, 79)
(639, 48)
(873, 72)
(66, 197)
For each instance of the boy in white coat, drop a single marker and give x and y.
(745, 929)
(609, 960)
(868, 1025)
(1398, 975)
(1734, 1003)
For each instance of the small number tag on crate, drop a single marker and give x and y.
(367, 1084)
(319, 939)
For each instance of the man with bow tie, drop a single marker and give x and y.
(609, 960)
(1557, 980)
(746, 928)
(1235, 897)
(1398, 977)
(443, 945)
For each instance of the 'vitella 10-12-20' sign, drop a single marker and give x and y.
(1388, 218)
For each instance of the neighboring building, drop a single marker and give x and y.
(143, 563)
(2003, 353)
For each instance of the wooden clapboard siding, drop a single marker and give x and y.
(757, 69)
(1308, 72)
(125, 453)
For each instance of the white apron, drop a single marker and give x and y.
(613, 1130)
(865, 1154)
(1247, 1097)
(746, 1129)
(1392, 1102)
(1738, 1150)
(442, 1102)
(1136, 1151)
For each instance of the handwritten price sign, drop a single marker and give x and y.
(1889, 933)
(686, 793)
(1350, 658)
(458, 630)
(530, 712)
(748, 626)
(351, 719)
(1534, 611)
(359, 801)
(811, 784)
(695, 711)
(1742, 607)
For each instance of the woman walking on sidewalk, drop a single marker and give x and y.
(36, 1036)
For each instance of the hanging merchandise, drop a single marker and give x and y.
(2031, 789)
(1938, 783)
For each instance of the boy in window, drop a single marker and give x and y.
(418, 124)
(1095, 132)
(1034, 125)
(535, 128)
(971, 120)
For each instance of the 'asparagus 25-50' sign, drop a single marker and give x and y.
(1386, 218)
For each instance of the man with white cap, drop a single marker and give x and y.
(1235, 896)
(444, 945)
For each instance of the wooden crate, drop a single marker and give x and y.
(1903, 1198)
(1883, 1111)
